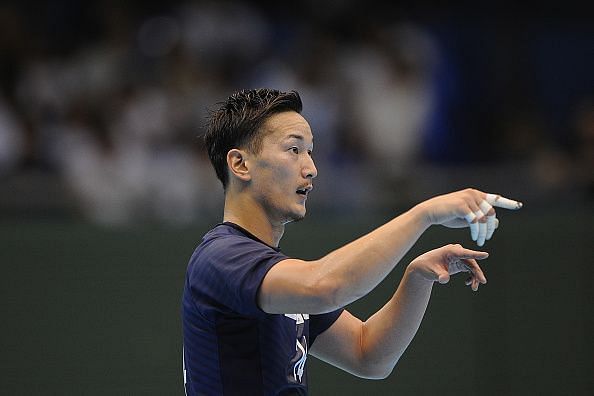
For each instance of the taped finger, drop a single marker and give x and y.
(485, 207)
(482, 235)
(474, 227)
(490, 212)
(491, 226)
(469, 217)
(501, 202)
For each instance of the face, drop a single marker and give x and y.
(282, 172)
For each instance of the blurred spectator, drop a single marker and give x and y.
(111, 100)
(390, 76)
(12, 139)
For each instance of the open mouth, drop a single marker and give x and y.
(304, 190)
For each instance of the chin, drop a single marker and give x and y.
(299, 217)
(296, 216)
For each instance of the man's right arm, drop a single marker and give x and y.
(345, 274)
(350, 272)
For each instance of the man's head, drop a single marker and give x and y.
(238, 123)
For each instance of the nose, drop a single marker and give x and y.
(309, 169)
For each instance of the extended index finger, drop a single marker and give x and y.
(502, 202)
(463, 253)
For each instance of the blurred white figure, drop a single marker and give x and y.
(181, 188)
(106, 181)
(12, 141)
(391, 80)
(137, 172)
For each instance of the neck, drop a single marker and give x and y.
(247, 214)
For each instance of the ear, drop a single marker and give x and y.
(236, 161)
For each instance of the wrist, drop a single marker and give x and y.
(417, 276)
(420, 213)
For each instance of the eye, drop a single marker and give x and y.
(295, 150)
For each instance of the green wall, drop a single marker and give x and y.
(95, 311)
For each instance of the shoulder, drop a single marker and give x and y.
(228, 267)
(225, 245)
(225, 240)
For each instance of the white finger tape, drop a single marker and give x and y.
(491, 225)
(501, 202)
(482, 234)
(469, 217)
(485, 207)
(474, 227)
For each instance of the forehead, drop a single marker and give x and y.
(285, 125)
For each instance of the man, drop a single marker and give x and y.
(251, 315)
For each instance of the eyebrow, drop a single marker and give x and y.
(295, 136)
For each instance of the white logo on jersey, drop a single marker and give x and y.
(298, 318)
(299, 346)
(298, 368)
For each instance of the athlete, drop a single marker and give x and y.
(252, 315)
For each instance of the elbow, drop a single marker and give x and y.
(333, 294)
(327, 296)
(381, 374)
(375, 373)
(375, 367)
(329, 290)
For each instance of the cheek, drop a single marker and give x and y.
(277, 184)
(279, 172)
(282, 175)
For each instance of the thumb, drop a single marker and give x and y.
(443, 277)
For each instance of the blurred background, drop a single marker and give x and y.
(105, 188)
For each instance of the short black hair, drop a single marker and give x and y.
(237, 123)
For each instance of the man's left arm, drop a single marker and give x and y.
(372, 348)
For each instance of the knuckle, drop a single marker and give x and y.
(457, 248)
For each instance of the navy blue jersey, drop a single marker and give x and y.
(231, 346)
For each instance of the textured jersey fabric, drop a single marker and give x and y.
(231, 346)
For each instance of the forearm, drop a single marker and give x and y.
(386, 335)
(371, 349)
(356, 268)
(350, 272)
